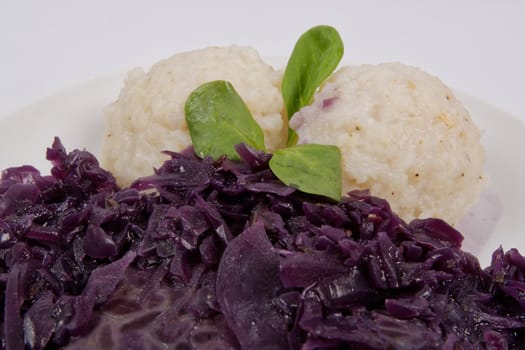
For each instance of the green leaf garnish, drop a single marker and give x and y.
(315, 56)
(218, 119)
(311, 168)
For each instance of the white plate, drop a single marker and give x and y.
(76, 116)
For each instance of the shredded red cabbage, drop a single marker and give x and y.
(221, 255)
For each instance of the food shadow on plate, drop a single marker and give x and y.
(478, 225)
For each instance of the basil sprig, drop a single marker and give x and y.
(218, 119)
(314, 57)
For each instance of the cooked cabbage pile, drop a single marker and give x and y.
(220, 255)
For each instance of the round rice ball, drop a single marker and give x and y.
(148, 116)
(402, 135)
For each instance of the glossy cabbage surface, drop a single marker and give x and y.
(221, 255)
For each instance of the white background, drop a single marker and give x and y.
(474, 46)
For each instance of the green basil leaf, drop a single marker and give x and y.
(311, 168)
(218, 120)
(315, 56)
